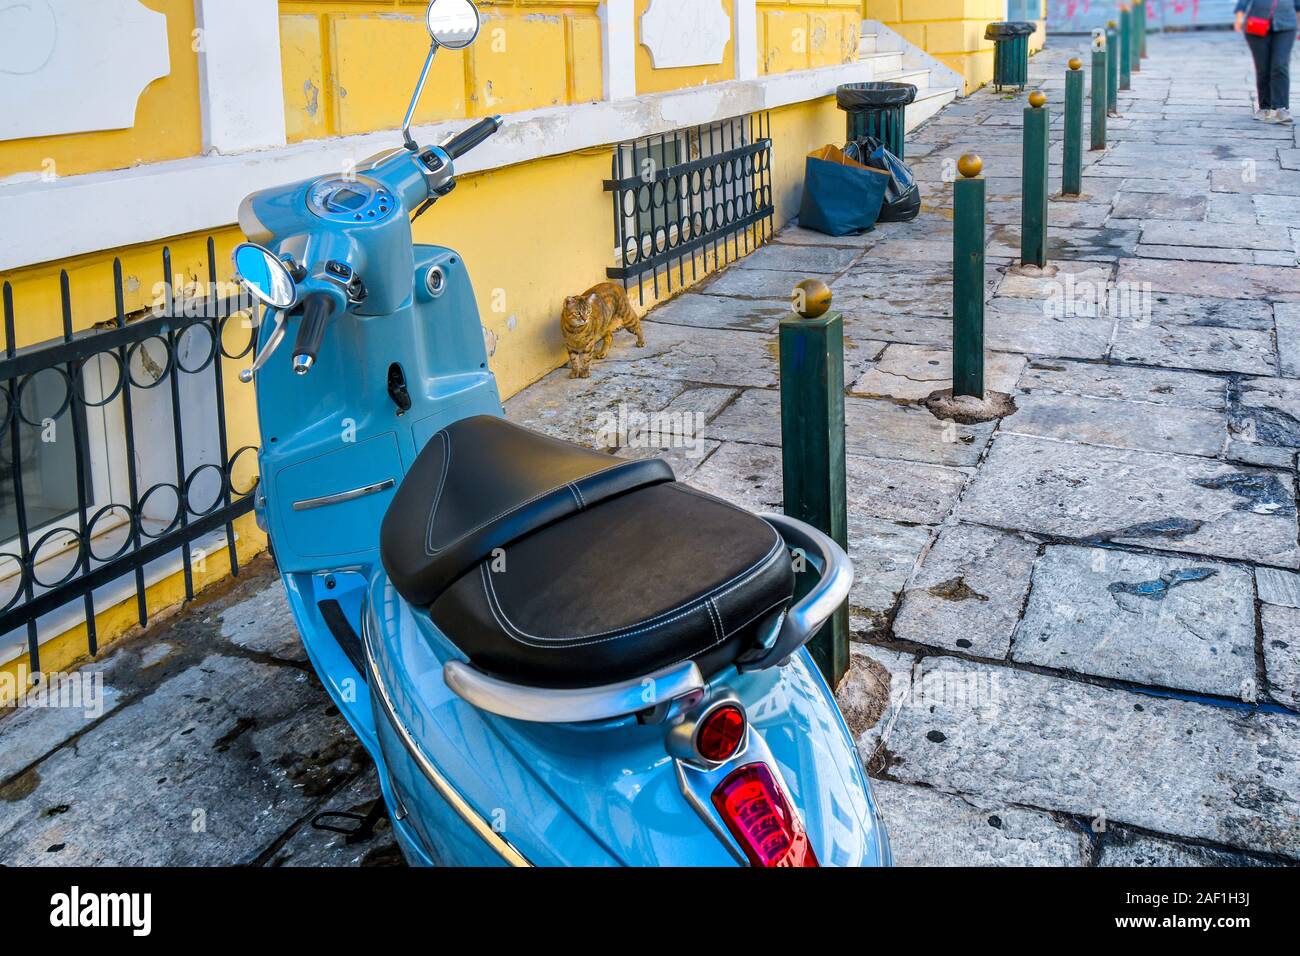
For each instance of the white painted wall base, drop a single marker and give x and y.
(152, 202)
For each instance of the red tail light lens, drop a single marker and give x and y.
(720, 733)
(759, 816)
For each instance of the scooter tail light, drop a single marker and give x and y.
(720, 733)
(756, 811)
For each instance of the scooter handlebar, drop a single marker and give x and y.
(463, 142)
(317, 310)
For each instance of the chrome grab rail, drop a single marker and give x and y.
(653, 692)
(802, 622)
(338, 498)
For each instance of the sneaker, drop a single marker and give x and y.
(1265, 116)
(1282, 116)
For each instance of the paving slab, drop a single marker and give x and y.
(1122, 847)
(930, 828)
(1045, 287)
(1226, 281)
(811, 260)
(1104, 421)
(1195, 347)
(1125, 383)
(1218, 234)
(1276, 586)
(1021, 324)
(912, 372)
(794, 234)
(895, 490)
(1154, 206)
(589, 410)
(1281, 630)
(969, 592)
(1171, 622)
(1267, 411)
(752, 283)
(264, 624)
(209, 768)
(1176, 767)
(921, 290)
(52, 714)
(1169, 502)
(874, 428)
(310, 846)
(707, 356)
(877, 684)
(720, 312)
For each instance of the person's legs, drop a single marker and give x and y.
(1279, 76)
(1260, 50)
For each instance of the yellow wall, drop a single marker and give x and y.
(167, 122)
(530, 234)
(349, 65)
(951, 30)
(802, 35)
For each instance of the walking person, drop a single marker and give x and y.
(1270, 28)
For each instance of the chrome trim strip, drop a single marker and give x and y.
(573, 706)
(308, 503)
(806, 618)
(499, 844)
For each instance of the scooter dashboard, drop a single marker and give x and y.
(350, 200)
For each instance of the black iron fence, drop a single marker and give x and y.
(691, 191)
(114, 450)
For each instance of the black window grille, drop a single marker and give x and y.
(147, 471)
(687, 193)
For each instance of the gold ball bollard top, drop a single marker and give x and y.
(811, 298)
(1075, 63)
(1112, 24)
(970, 165)
(1037, 99)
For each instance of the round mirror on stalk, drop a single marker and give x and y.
(453, 24)
(265, 276)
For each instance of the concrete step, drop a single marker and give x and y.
(867, 43)
(927, 103)
(886, 61)
(918, 78)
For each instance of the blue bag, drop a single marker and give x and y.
(841, 197)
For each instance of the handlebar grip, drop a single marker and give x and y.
(317, 310)
(463, 142)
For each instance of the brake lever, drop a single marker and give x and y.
(267, 350)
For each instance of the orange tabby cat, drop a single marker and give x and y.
(590, 321)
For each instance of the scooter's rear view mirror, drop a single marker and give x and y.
(265, 276)
(453, 24)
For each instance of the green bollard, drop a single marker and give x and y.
(1142, 32)
(1112, 68)
(968, 278)
(1072, 147)
(812, 442)
(1125, 48)
(1135, 37)
(1139, 17)
(1033, 214)
(1099, 93)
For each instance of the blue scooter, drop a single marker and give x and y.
(554, 656)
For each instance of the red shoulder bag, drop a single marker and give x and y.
(1259, 26)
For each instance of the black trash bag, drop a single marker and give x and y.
(902, 201)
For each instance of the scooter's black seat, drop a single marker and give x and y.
(607, 569)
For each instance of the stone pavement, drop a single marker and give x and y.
(1076, 630)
